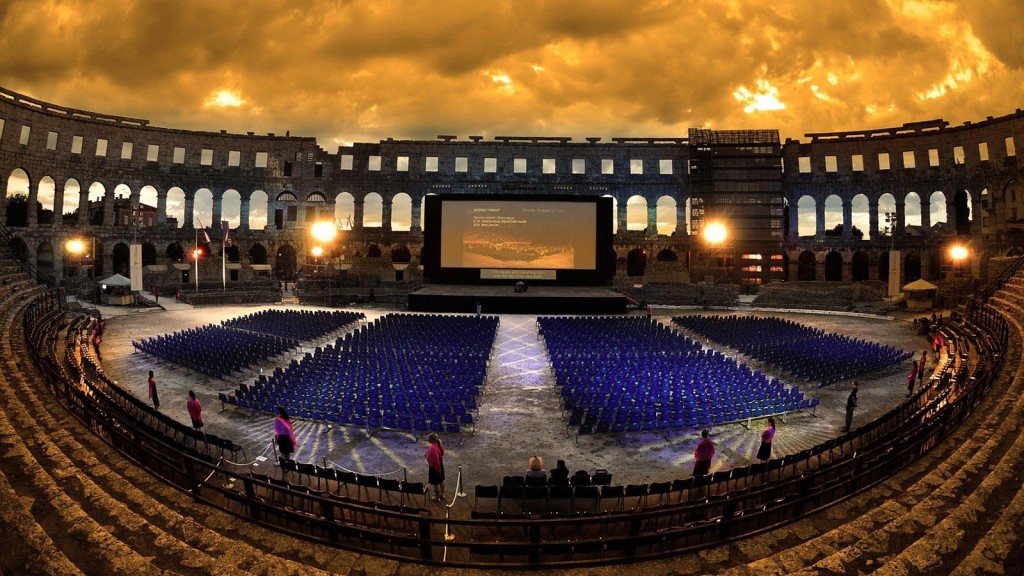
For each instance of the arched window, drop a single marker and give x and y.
(636, 213)
(401, 212)
(667, 216)
(807, 216)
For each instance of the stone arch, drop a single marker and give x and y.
(345, 210)
(886, 204)
(120, 257)
(401, 254)
(257, 254)
(636, 262)
(373, 251)
(122, 192)
(934, 266)
(175, 253)
(45, 259)
(72, 201)
(912, 267)
(148, 253)
(667, 220)
(860, 217)
(1015, 251)
(18, 184)
(284, 262)
(149, 198)
(401, 212)
(912, 209)
(806, 266)
(807, 216)
(233, 254)
(316, 208)
(833, 267)
(937, 208)
(833, 214)
(202, 209)
(97, 197)
(373, 210)
(636, 213)
(860, 267)
(259, 206)
(423, 212)
(615, 213)
(688, 215)
(667, 255)
(45, 193)
(18, 248)
(175, 209)
(230, 209)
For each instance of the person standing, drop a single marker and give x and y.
(479, 308)
(284, 434)
(703, 454)
(177, 295)
(920, 368)
(195, 410)
(911, 378)
(851, 405)
(435, 466)
(764, 452)
(156, 293)
(152, 391)
(96, 345)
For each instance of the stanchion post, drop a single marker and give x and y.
(459, 493)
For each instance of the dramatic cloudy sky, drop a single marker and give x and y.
(361, 71)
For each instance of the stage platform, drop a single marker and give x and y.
(504, 299)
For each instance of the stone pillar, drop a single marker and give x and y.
(847, 221)
(847, 270)
(190, 210)
(926, 219)
(357, 214)
(621, 217)
(161, 207)
(58, 214)
(218, 201)
(83, 207)
(819, 219)
(873, 218)
(243, 213)
(976, 214)
(3, 200)
(417, 207)
(794, 222)
(901, 216)
(652, 220)
(385, 213)
(32, 214)
(108, 206)
(951, 212)
(681, 229)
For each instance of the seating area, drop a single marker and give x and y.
(216, 351)
(409, 372)
(803, 351)
(301, 325)
(624, 375)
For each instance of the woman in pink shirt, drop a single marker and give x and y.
(195, 410)
(152, 391)
(284, 434)
(703, 454)
(435, 466)
(764, 452)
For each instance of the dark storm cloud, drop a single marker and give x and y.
(345, 71)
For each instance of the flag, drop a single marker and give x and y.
(227, 229)
(206, 236)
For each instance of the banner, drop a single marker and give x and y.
(894, 273)
(135, 266)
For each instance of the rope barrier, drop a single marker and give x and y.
(210, 476)
(257, 459)
(343, 469)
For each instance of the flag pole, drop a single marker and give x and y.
(195, 255)
(223, 256)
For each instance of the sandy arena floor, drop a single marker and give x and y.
(519, 410)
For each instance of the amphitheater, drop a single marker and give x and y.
(95, 481)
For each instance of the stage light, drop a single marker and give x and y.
(715, 233)
(317, 251)
(958, 253)
(323, 232)
(75, 246)
(197, 253)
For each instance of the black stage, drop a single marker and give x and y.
(504, 299)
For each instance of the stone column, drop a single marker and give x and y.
(819, 219)
(218, 200)
(161, 207)
(681, 229)
(652, 220)
(108, 206)
(414, 226)
(951, 212)
(3, 199)
(926, 219)
(621, 217)
(190, 210)
(243, 213)
(32, 213)
(83, 207)
(357, 214)
(58, 213)
(794, 221)
(901, 216)
(847, 220)
(976, 214)
(385, 213)
(873, 218)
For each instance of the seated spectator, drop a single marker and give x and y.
(536, 476)
(560, 472)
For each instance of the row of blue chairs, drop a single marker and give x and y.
(302, 325)
(804, 352)
(408, 372)
(214, 350)
(633, 374)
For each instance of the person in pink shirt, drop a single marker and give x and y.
(764, 452)
(703, 454)
(153, 392)
(435, 466)
(284, 434)
(195, 410)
